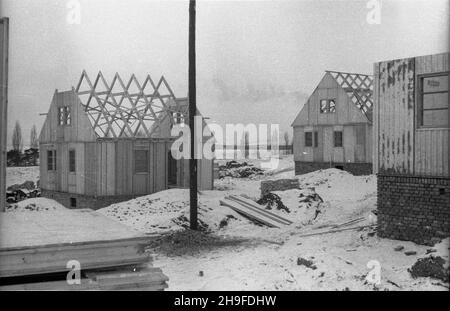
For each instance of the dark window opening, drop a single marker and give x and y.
(64, 116)
(434, 98)
(339, 167)
(441, 191)
(327, 105)
(141, 161)
(172, 169)
(308, 139)
(316, 139)
(73, 202)
(72, 165)
(338, 139)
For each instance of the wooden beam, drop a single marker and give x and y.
(4, 41)
(193, 202)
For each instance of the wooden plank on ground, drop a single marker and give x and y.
(120, 279)
(260, 209)
(250, 213)
(43, 242)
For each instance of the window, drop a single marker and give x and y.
(331, 106)
(64, 117)
(140, 161)
(316, 139)
(327, 106)
(323, 106)
(308, 139)
(51, 160)
(73, 202)
(338, 139)
(433, 98)
(72, 166)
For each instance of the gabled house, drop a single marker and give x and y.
(334, 127)
(103, 143)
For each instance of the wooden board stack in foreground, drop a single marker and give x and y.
(38, 250)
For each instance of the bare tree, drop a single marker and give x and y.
(286, 138)
(17, 138)
(33, 138)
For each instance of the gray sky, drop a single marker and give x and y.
(257, 60)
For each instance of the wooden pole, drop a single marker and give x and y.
(192, 111)
(4, 36)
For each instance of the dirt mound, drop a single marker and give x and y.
(191, 242)
(432, 267)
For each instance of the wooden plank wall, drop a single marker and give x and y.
(395, 116)
(432, 145)
(80, 129)
(4, 41)
(326, 152)
(400, 145)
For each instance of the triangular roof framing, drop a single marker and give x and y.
(359, 88)
(125, 110)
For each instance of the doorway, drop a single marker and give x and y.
(171, 170)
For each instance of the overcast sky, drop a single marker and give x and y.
(257, 60)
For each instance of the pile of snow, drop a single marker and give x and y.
(17, 175)
(35, 205)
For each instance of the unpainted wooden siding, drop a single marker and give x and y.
(351, 152)
(432, 144)
(346, 110)
(401, 146)
(80, 129)
(395, 116)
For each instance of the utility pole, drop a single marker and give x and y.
(193, 199)
(4, 40)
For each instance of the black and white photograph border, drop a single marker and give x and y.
(289, 145)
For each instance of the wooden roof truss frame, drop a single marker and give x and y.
(359, 88)
(126, 110)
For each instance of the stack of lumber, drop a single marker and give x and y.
(36, 247)
(254, 211)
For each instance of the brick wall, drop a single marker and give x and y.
(413, 208)
(353, 168)
(84, 201)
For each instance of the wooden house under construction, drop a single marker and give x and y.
(411, 143)
(108, 142)
(334, 127)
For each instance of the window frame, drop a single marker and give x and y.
(308, 140)
(51, 164)
(419, 99)
(342, 139)
(327, 107)
(64, 116)
(135, 168)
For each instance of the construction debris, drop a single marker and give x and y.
(310, 197)
(270, 200)
(307, 263)
(239, 170)
(110, 255)
(254, 211)
(432, 267)
(268, 186)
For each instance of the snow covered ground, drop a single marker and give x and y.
(265, 258)
(234, 253)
